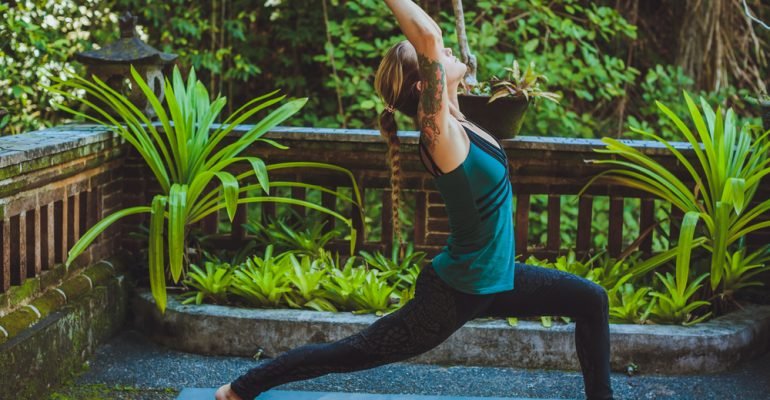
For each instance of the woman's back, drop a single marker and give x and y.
(479, 255)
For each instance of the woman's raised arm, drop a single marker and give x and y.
(423, 33)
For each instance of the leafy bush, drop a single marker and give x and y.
(321, 283)
(184, 158)
(730, 163)
(39, 38)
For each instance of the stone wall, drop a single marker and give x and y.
(56, 183)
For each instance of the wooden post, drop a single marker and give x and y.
(615, 235)
(585, 221)
(522, 223)
(554, 222)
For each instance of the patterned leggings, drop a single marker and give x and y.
(436, 312)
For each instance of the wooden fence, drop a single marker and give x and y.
(58, 182)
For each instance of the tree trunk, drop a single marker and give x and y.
(468, 58)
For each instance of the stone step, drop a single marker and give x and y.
(208, 394)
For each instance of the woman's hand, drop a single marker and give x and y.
(225, 393)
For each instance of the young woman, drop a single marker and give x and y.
(473, 276)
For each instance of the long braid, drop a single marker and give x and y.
(389, 130)
(396, 83)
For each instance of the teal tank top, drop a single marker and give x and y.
(479, 255)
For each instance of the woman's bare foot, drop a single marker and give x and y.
(225, 393)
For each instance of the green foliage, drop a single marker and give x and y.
(184, 158)
(730, 164)
(263, 282)
(404, 271)
(343, 281)
(39, 38)
(630, 304)
(289, 236)
(675, 304)
(374, 293)
(739, 267)
(632, 300)
(306, 280)
(567, 40)
(664, 84)
(329, 54)
(516, 84)
(212, 284)
(313, 283)
(316, 280)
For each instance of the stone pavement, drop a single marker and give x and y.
(129, 359)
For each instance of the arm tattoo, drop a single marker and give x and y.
(433, 82)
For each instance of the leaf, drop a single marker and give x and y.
(512, 321)
(230, 187)
(98, 228)
(176, 228)
(260, 170)
(156, 252)
(531, 45)
(687, 231)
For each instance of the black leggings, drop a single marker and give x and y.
(436, 312)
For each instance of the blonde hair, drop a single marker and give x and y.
(396, 83)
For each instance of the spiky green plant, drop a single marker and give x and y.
(185, 156)
(730, 165)
(263, 281)
(212, 284)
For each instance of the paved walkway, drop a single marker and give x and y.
(130, 360)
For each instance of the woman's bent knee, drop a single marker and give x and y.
(595, 299)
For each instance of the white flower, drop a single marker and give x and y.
(51, 21)
(272, 3)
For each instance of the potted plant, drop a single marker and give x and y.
(498, 105)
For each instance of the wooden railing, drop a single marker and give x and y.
(58, 182)
(550, 166)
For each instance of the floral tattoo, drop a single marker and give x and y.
(433, 82)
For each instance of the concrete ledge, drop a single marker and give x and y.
(218, 330)
(47, 350)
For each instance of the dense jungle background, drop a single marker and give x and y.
(609, 59)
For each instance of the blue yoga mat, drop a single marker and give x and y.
(208, 394)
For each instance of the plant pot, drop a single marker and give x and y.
(502, 118)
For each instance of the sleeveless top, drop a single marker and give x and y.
(479, 255)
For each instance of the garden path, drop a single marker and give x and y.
(134, 368)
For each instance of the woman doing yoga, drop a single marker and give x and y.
(475, 273)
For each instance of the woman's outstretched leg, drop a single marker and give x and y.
(544, 291)
(423, 323)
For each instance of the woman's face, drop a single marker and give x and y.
(453, 67)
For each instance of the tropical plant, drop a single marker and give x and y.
(374, 294)
(630, 304)
(306, 236)
(730, 166)
(184, 157)
(306, 277)
(263, 281)
(674, 304)
(739, 267)
(212, 284)
(401, 273)
(516, 84)
(343, 281)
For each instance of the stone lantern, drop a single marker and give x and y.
(112, 64)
